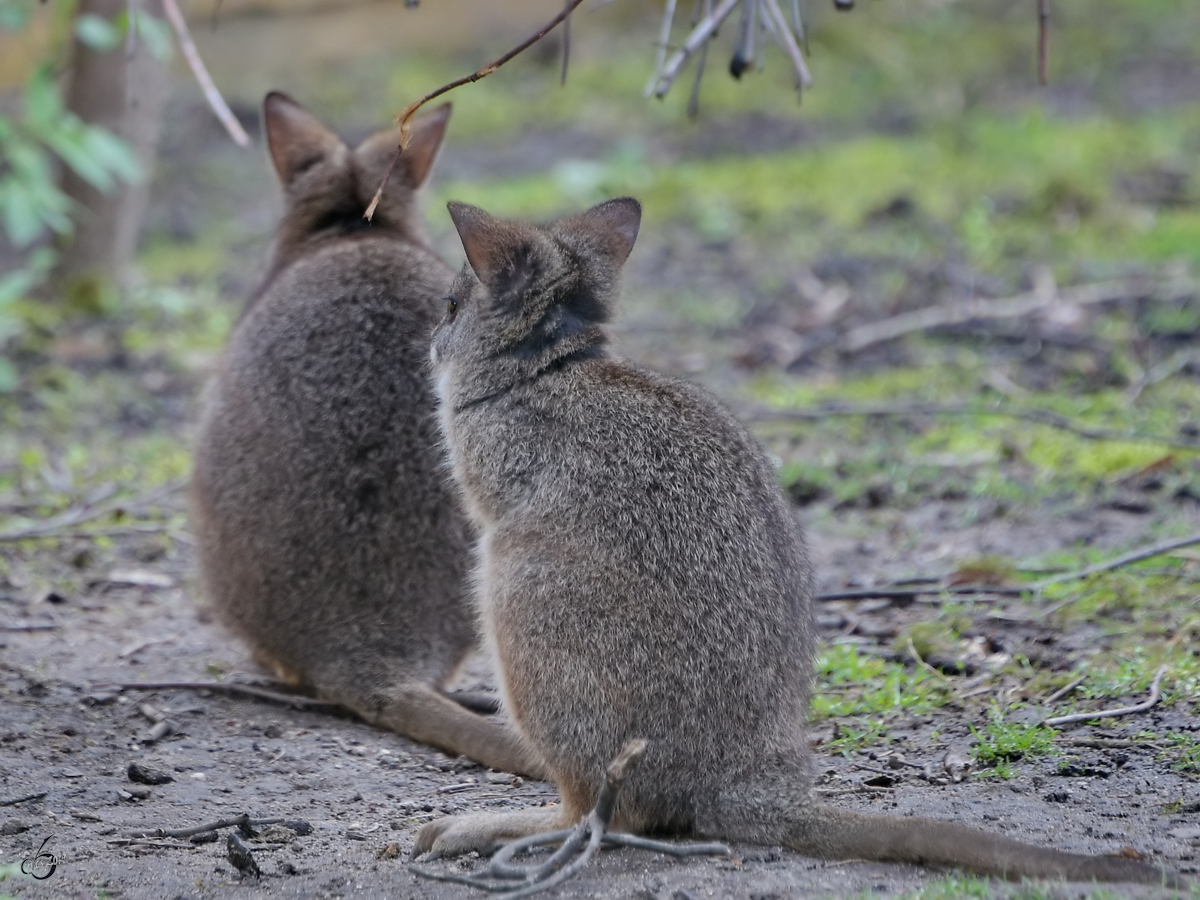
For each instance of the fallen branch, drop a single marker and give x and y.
(589, 834)
(36, 626)
(857, 339)
(161, 845)
(28, 797)
(220, 687)
(1064, 690)
(1028, 414)
(1124, 559)
(405, 116)
(242, 821)
(1110, 713)
(211, 94)
(934, 586)
(91, 511)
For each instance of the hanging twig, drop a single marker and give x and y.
(660, 51)
(221, 687)
(566, 48)
(589, 834)
(1043, 38)
(405, 116)
(1028, 414)
(1110, 713)
(704, 30)
(784, 32)
(693, 107)
(211, 94)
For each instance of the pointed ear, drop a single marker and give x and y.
(482, 238)
(296, 139)
(615, 223)
(425, 140)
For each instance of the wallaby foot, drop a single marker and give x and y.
(426, 715)
(485, 832)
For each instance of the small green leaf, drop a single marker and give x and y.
(97, 32)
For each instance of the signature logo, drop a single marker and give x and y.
(40, 863)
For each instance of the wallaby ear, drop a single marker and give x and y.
(424, 142)
(483, 237)
(417, 160)
(296, 139)
(616, 223)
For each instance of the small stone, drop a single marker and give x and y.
(146, 775)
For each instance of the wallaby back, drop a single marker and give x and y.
(328, 535)
(641, 574)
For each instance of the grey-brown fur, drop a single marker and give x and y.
(328, 535)
(641, 575)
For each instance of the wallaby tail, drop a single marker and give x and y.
(837, 834)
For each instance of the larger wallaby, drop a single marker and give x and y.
(328, 533)
(641, 574)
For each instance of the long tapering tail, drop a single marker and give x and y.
(838, 834)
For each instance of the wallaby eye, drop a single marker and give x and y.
(451, 306)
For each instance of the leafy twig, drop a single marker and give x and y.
(1110, 713)
(211, 94)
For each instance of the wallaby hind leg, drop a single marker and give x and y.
(485, 832)
(425, 714)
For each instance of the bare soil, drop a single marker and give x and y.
(127, 613)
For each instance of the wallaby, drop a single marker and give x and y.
(328, 532)
(641, 575)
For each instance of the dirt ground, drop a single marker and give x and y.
(355, 795)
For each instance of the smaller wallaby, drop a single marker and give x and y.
(327, 530)
(642, 576)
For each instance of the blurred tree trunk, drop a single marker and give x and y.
(126, 96)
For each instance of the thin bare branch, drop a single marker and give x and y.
(660, 52)
(699, 36)
(1111, 713)
(234, 821)
(783, 32)
(90, 511)
(1028, 414)
(566, 48)
(405, 116)
(221, 687)
(1125, 559)
(1043, 38)
(211, 94)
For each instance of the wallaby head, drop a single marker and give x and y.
(328, 185)
(531, 295)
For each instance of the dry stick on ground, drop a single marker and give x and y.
(896, 592)
(868, 335)
(1028, 414)
(588, 834)
(38, 796)
(1064, 690)
(1110, 713)
(211, 94)
(221, 687)
(405, 116)
(232, 822)
(91, 511)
